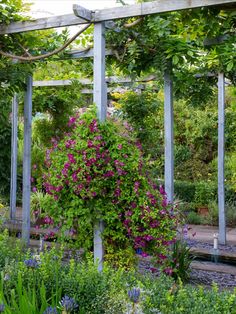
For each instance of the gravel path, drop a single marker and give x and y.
(204, 245)
(201, 277)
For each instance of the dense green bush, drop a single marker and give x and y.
(185, 191)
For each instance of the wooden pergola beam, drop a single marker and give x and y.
(141, 9)
(82, 12)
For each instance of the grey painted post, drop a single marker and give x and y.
(14, 157)
(27, 161)
(221, 155)
(169, 135)
(100, 99)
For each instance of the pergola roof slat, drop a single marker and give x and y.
(146, 8)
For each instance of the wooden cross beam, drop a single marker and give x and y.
(82, 12)
(141, 9)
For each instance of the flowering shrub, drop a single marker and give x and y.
(97, 172)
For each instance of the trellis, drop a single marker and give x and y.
(82, 16)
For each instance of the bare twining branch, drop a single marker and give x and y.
(46, 55)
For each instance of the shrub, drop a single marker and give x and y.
(185, 190)
(194, 218)
(97, 172)
(205, 193)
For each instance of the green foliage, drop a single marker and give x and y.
(9, 249)
(205, 193)
(180, 261)
(193, 218)
(185, 191)
(5, 145)
(145, 114)
(178, 37)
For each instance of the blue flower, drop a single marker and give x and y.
(134, 295)
(68, 303)
(32, 263)
(50, 310)
(2, 307)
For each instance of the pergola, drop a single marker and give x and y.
(98, 18)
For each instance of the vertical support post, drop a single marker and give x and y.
(100, 99)
(221, 157)
(14, 157)
(27, 161)
(169, 135)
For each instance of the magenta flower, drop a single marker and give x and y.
(90, 143)
(98, 137)
(154, 224)
(162, 257)
(129, 213)
(136, 186)
(164, 202)
(108, 174)
(70, 143)
(72, 121)
(168, 271)
(71, 158)
(93, 127)
(117, 192)
(119, 146)
(74, 177)
(34, 189)
(162, 190)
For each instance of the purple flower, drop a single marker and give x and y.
(168, 271)
(71, 158)
(58, 188)
(90, 144)
(80, 186)
(126, 222)
(74, 177)
(98, 137)
(134, 295)
(34, 189)
(136, 186)
(64, 172)
(72, 121)
(119, 146)
(108, 174)
(164, 202)
(162, 190)
(93, 127)
(117, 192)
(70, 143)
(31, 263)
(50, 310)
(68, 304)
(129, 213)
(154, 224)
(2, 307)
(162, 257)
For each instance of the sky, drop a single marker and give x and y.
(46, 8)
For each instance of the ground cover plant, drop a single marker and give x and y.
(46, 283)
